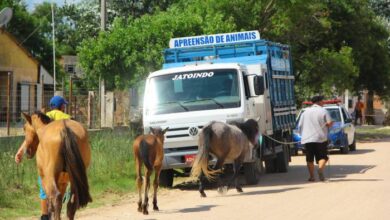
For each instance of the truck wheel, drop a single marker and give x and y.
(166, 178)
(270, 166)
(294, 151)
(282, 160)
(251, 172)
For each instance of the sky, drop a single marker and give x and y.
(31, 3)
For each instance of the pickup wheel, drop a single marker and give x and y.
(166, 178)
(352, 147)
(252, 171)
(345, 149)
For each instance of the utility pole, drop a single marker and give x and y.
(103, 15)
(102, 92)
(54, 48)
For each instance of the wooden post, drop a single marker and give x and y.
(8, 103)
(70, 95)
(74, 104)
(90, 108)
(43, 104)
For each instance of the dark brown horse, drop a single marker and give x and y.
(148, 151)
(63, 153)
(228, 143)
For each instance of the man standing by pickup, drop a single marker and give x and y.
(359, 106)
(313, 127)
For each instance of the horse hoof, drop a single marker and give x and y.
(145, 212)
(222, 190)
(139, 209)
(203, 195)
(239, 189)
(155, 208)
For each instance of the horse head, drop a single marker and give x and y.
(32, 124)
(159, 133)
(251, 130)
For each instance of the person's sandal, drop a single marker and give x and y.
(321, 175)
(311, 179)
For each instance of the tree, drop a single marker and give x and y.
(129, 51)
(334, 39)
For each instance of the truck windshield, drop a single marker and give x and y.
(193, 91)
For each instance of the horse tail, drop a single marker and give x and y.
(202, 158)
(144, 154)
(75, 168)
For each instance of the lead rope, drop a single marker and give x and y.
(293, 142)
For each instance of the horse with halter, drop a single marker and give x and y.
(228, 143)
(63, 154)
(148, 151)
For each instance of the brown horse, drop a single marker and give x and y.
(228, 143)
(63, 153)
(148, 150)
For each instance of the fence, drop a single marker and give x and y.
(84, 106)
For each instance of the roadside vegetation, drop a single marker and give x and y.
(111, 172)
(372, 133)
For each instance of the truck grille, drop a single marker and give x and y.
(182, 132)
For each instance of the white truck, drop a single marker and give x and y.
(223, 77)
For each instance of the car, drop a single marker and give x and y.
(342, 133)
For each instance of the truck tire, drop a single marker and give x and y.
(270, 166)
(294, 151)
(252, 171)
(282, 160)
(166, 178)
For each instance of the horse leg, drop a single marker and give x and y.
(202, 180)
(63, 181)
(72, 206)
(139, 183)
(236, 171)
(147, 186)
(56, 201)
(155, 186)
(218, 166)
(53, 195)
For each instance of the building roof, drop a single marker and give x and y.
(16, 41)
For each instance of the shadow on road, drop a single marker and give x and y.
(336, 151)
(355, 180)
(298, 174)
(262, 192)
(199, 208)
(362, 151)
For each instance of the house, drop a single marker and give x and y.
(71, 65)
(23, 73)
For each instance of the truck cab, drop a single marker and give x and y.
(226, 82)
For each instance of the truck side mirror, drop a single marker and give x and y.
(258, 84)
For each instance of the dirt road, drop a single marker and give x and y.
(358, 188)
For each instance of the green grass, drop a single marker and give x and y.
(372, 133)
(110, 175)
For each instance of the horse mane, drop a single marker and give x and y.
(249, 128)
(44, 118)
